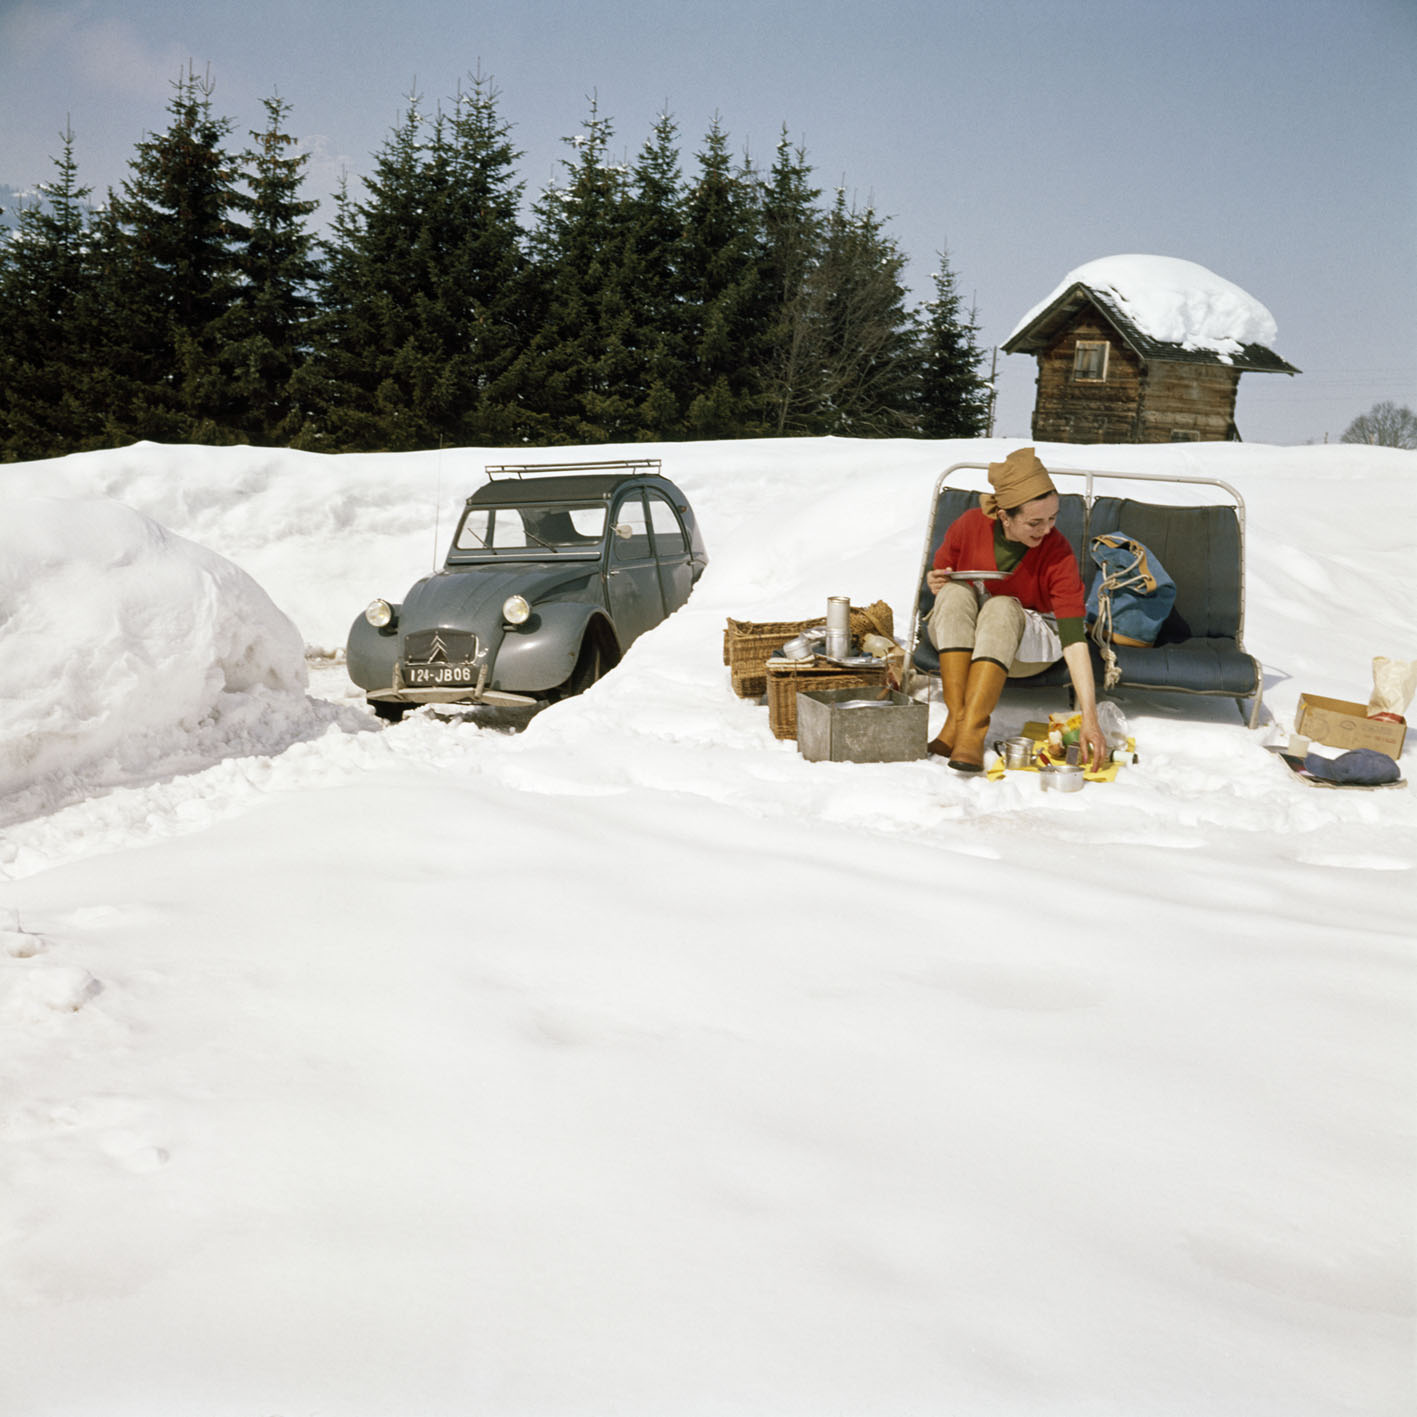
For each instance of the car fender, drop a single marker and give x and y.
(541, 654)
(371, 653)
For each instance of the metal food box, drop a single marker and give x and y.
(860, 725)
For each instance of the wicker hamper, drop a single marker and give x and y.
(747, 644)
(786, 679)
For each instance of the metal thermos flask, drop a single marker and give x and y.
(838, 626)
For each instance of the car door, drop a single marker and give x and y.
(671, 547)
(632, 579)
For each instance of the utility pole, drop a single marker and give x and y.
(993, 388)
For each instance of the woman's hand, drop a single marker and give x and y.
(1094, 746)
(1095, 751)
(935, 580)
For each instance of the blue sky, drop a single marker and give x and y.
(1270, 140)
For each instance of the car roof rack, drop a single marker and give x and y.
(519, 470)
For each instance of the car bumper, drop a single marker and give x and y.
(400, 693)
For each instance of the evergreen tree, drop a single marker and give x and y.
(582, 363)
(792, 239)
(371, 289)
(172, 277)
(723, 336)
(425, 297)
(656, 218)
(44, 350)
(265, 331)
(325, 385)
(487, 286)
(641, 306)
(863, 346)
(953, 395)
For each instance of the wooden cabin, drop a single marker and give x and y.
(1103, 380)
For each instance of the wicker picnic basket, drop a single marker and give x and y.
(786, 679)
(747, 644)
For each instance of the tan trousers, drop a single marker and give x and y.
(992, 630)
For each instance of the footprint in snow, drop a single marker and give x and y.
(37, 993)
(20, 944)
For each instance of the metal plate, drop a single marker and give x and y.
(852, 661)
(441, 646)
(980, 575)
(439, 676)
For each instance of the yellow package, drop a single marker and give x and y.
(1063, 728)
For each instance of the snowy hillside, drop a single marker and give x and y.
(632, 1064)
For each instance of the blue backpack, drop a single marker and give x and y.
(1131, 594)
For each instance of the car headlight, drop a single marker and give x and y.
(379, 613)
(516, 610)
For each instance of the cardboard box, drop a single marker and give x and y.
(1341, 724)
(860, 725)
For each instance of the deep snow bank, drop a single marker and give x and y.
(124, 646)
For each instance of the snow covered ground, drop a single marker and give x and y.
(632, 1064)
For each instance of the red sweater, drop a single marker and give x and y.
(1046, 580)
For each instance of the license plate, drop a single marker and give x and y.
(439, 676)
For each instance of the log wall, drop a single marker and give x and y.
(1188, 403)
(1159, 402)
(1069, 410)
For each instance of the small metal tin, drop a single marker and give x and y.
(1061, 777)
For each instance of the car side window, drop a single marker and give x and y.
(631, 514)
(669, 538)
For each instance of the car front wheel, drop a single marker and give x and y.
(597, 655)
(589, 666)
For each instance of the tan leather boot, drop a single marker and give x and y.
(981, 696)
(954, 675)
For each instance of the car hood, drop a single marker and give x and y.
(471, 597)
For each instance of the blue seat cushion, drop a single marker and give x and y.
(1197, 666)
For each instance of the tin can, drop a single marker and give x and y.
(1061, 777)
(838, 626)
(1016, 752)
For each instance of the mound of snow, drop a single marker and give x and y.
(122, 644)
(1173, 301)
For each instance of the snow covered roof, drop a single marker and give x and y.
(1163, 308)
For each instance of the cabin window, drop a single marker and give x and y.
(1090, 360)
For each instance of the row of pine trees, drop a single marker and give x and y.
(198, 305)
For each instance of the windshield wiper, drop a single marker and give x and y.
(502, 550)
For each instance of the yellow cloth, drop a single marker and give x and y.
(1039, 733)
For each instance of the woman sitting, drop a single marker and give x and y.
(1022, 624)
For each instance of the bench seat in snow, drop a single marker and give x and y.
(1200, 543)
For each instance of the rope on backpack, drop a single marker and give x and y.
(1102, 627)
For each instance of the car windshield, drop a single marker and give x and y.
(551, 526)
